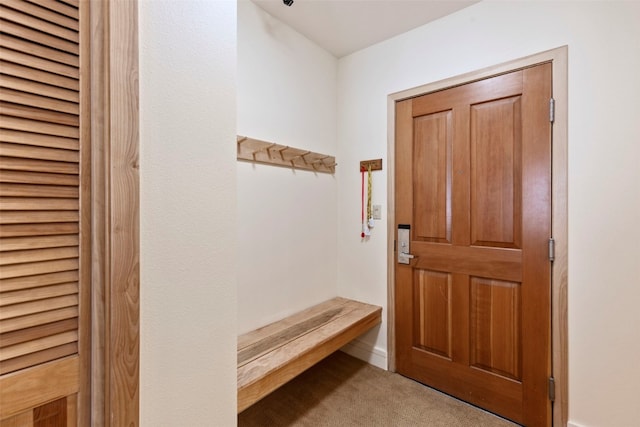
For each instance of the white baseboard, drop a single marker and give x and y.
(570, 424)
(370, 354)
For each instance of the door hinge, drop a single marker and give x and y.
(552, 389)
(552, 249)
(552, 110)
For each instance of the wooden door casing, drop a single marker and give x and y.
(473, 179)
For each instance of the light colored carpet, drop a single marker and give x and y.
(344, 391)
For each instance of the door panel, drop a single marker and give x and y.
(58, 413)
(496, 173)
(52, 414)
(44, 212)
(432, 321)
(473, 177)
(495, 329)
(432, 163)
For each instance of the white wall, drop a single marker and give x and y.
(286, 219)
(604, 171)
(188, 185)
(188, 198)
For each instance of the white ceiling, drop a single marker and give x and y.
(345, 26)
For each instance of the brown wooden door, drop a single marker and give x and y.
(45, 230)
(473, 181)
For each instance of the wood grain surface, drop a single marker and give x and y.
(258, 151)
(286, 348)
(558, 57)
(47, 382)
(123, 217)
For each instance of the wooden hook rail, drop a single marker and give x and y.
(255, 150)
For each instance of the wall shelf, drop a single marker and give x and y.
(257, 151)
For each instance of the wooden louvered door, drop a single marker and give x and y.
(44, 211)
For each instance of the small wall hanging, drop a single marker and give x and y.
(366, 166)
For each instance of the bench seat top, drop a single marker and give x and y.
(270, 356)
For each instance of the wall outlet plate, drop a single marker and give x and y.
(376, 211)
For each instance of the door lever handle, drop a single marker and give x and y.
(405, 258)
(404, 239)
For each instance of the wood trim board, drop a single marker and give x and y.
(115, 249)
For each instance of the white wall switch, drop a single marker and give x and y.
(376, 211)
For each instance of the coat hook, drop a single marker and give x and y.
(265, 148)
(240, 141)
(262, 149)
(303, 158)
(322, 161)
(269, 150)
(281, 151)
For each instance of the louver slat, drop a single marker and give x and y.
(15, 70)
(39, 178)
(47, 10)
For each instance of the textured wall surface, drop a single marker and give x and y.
(188, 212)
(286, 219)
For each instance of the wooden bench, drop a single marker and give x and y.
(274, 354)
